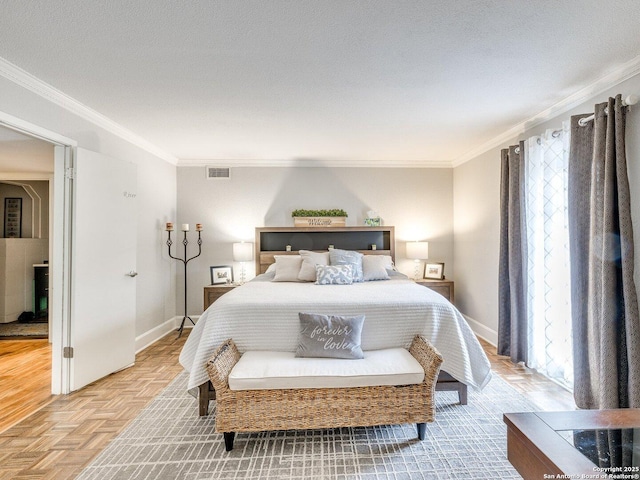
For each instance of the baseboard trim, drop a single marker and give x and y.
(482, 330)
(152, 336)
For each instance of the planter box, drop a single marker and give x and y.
(319, 221)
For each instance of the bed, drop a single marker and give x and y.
(263, 315)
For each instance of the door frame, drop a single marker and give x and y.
(61, 190)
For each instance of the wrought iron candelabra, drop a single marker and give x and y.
(185, 261)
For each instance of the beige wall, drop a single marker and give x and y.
(418, 202)
(476, 193)
(42, 189)
(17, 257)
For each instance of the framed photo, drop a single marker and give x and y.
(434, 271)
(221, 274)
(12, 217)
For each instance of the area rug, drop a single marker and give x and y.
(24, 330)
(168, 440)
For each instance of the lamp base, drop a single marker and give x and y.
(416, 271)
(241, 273)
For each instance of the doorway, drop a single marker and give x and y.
(24, 250)
(26, 176)
(91, 270)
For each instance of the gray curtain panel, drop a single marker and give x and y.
(512, 306)
(606, 324)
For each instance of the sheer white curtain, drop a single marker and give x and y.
(548, 301)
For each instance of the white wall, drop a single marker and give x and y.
(476, 193)
(156, 196)
(418, 202)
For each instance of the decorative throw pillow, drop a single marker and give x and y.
(348, 257)
(287, 268)
(309, 262)
(374, 268)
(330, 336)
(334, 274)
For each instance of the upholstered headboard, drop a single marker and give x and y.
(272, 241)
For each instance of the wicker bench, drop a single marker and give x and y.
(317, 408)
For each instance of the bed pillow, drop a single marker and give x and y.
(287, 268)
(330, 336)
(374, 267)
(309, 262)
(388, 261)
(348, 257)
(334, 274)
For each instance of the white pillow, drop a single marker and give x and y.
(309, 262)
(374, 267)
(287, 268)
(388, 261)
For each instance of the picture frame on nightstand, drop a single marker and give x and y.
(434, 271)
(221, 274)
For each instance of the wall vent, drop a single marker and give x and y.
(214, 173)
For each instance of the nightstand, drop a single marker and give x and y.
(214, 292)
(443, 287)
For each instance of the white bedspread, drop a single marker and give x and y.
(263, 315)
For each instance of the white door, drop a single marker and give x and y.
(103, 263)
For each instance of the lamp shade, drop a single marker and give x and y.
(418, 250)
(243, 252)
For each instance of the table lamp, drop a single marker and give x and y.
(242, 252)
(417, 251)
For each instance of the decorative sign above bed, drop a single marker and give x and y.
(319, 221)
(319, 218)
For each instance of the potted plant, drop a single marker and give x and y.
(336, 217)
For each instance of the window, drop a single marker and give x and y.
(548, 279)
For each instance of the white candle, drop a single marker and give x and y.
(185, 227)
(169, 227)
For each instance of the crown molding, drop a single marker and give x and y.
(24, 79)
(615, 77)
(33, 84)
(310, 163)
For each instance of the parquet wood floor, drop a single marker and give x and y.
(542, 392)
(22, 393)
(59, 439)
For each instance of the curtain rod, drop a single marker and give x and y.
(629, 100)
(554, 134)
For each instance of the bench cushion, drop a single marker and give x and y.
(265, 370)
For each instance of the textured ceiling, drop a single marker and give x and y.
(344, 80)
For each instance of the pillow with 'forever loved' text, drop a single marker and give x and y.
(330, 336)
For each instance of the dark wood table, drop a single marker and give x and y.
(535, 448)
